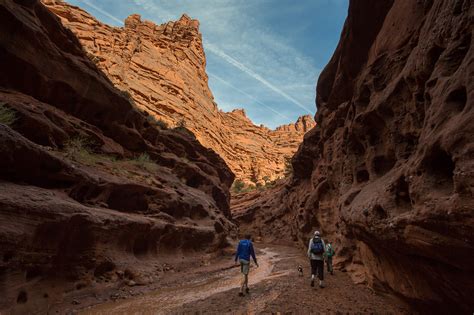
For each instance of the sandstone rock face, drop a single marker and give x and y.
(388, 173)
(162, 68)
(259, 153)
(88, 187)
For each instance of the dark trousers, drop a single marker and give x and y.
(329, 264)
(317, 268)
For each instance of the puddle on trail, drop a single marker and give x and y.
(165, 300)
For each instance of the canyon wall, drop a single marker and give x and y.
(163, 69)
(91, 193)
(387, 174)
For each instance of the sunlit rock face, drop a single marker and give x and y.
(387, 173)
(162, 68)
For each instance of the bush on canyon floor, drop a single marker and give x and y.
(238, 186)
(267, 185)
(7, 115)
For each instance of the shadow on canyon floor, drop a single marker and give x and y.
(275, 287)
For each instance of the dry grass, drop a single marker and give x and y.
(78, 149)
(7, 115)
(145, 162)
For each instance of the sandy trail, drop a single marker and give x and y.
(274, 287)
(165, 300)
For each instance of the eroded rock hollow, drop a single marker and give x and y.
(388, 172)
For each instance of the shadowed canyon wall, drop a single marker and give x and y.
(162, 68)
(88, 187)
(388, 172)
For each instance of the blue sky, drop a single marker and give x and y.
(262, 55)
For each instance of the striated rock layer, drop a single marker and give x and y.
(162, 68)
(90, 192)
(388, 173)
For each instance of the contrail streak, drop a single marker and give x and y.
(107, 14)
(149, 5)
(252, 74)
(246, 94)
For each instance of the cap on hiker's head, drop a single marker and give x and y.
(316, 233)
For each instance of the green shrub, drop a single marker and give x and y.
(7, 115)
(238, 186)
(249, 188)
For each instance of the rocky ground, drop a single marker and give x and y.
(276, 288)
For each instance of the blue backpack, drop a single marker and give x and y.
(317, 246)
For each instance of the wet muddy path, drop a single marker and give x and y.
(275, 287)
(166, 300)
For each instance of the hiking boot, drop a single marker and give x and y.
(321, 284)
(312, 283)
(241, 294)
(247, 290)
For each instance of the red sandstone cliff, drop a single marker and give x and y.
(91, 193)
(388, 173)
(162, 67)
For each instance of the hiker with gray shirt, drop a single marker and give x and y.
(316, 251)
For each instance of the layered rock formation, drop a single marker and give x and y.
(388, 173)
(258, 153)
(90, 191)
(162, 68)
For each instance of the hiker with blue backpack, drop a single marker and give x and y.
(244, 251)
(316, 252)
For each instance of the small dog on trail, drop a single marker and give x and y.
(300, 270)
